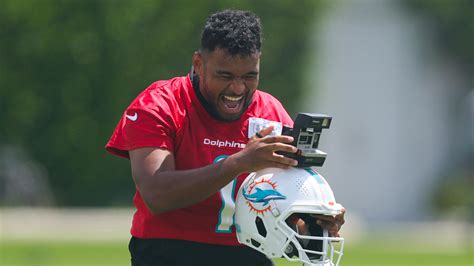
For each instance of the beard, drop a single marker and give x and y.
(211, 106)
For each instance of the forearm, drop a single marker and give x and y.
(173, 189)
(163, 188)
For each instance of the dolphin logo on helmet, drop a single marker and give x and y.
(263, 196)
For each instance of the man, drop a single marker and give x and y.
(191, 141)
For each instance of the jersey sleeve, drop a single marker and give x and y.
(286, 118)
(281, 113)
(141, 126)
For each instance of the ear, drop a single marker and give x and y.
(198, 63)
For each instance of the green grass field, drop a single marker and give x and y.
(20, 253)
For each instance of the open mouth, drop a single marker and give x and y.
(232, 104)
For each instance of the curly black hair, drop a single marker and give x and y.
(237, 32)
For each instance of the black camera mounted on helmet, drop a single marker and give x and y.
(306, 133)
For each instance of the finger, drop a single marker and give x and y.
(275, 147)
(293, 219)
(334, 232)
(278, 158)
(263, 132)
(266, 131)
(281, 138)
(327, 225)
(325, 218)
(333, 228)
(340, 217)
(282, 147)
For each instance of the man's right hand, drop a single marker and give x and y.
(260, 153)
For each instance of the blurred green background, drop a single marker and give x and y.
(69, 69)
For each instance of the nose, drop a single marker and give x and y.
(238, 86)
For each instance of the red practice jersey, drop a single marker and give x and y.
(169, 115)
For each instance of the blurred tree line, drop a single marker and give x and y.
(70, 67)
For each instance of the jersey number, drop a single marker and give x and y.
(226, 213)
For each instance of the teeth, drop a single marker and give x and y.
(232, 98)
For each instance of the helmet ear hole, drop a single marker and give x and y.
(291, 251)
(260, 226)
(255, 243)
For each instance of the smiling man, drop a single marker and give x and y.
(192, 140)
(228, 81)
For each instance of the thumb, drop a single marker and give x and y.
(266, 131)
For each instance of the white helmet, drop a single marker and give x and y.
(270, 207)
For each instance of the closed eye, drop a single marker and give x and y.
(224, 75)
(251, 76)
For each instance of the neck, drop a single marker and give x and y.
(202, 100)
